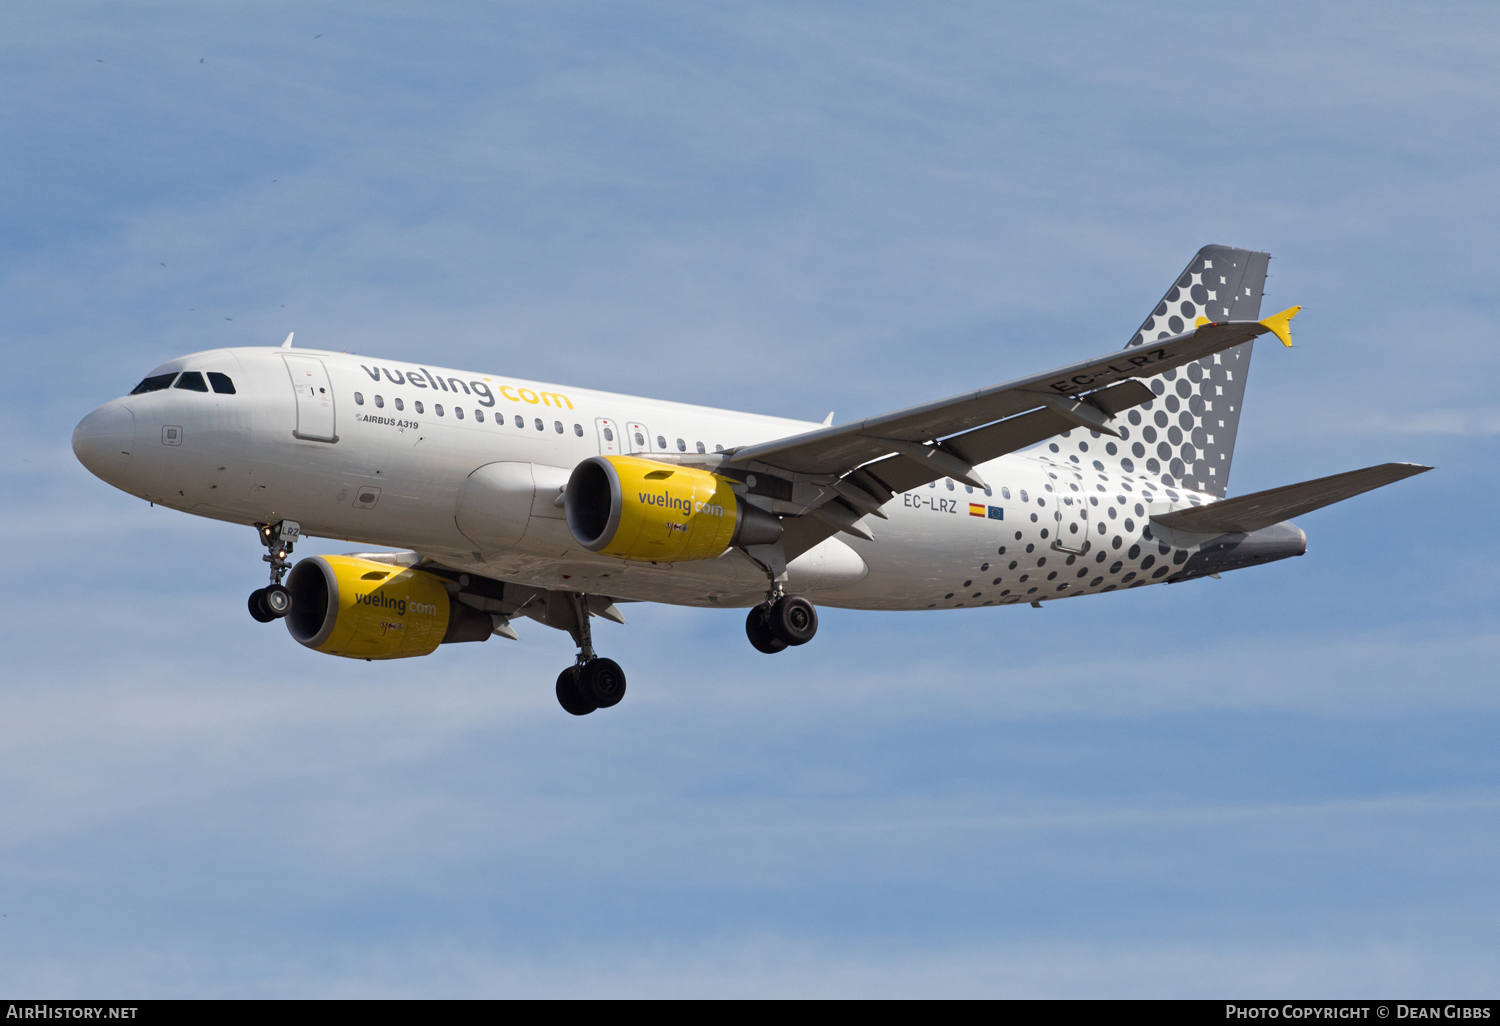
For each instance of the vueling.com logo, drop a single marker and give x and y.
(668, 501)
(380, 600)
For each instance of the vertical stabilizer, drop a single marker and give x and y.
(1186, 437)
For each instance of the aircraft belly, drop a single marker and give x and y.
(731, 580)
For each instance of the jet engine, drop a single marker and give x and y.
(647, 511)
(364, 610)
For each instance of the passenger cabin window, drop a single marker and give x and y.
(399, 404)
(479, 416)
(221, 383)
(418, 407)
(1004, 492)
(519, 422)
(701, 448)
(154, 384)
(458, 411)
(437, 408)
(578, 430)
(557, 426)
(661, 441)
(359, 398)
(681, 445)
(192, 381)
(380, 402)
(950, 484)
(539, 425)
(609, 436)
(639, 440)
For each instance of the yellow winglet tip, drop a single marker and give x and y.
(1280, 324)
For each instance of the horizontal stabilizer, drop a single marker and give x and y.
(1262, 509)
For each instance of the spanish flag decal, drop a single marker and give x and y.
(976, 509)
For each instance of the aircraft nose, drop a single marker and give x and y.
(104, 439)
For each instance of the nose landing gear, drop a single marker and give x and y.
(274, 601)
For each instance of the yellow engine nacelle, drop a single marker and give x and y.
(365, 610)
(653, 512)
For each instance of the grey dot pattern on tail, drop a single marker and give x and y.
(1185, 437)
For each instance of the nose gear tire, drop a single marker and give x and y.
(568, 695)
(258, 606)
(758, 630)
(793, 619)
(277, 600)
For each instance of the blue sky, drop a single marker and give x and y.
(1283, 782)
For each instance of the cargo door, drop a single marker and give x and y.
(609, 437)
(315, 420)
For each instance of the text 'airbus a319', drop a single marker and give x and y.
(511, 498)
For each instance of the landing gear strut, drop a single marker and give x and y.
(274, 601)
(592, 682)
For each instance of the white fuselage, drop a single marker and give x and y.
(409, 436)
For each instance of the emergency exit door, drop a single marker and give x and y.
(609, 437)
(637, 438)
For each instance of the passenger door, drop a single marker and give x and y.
(315, 419)
(1072, 518)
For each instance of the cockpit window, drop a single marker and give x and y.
(221, 383)
(154, 384)
(192, 381)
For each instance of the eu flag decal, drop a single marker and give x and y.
(997, 513)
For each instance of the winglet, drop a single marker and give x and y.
(1281, 324)
(288, 343)
(828, 420)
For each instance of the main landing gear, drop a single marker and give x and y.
(591, 682)
(274, 601)
(780, 622)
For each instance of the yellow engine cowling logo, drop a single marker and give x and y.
(364, 610)
(646, 511)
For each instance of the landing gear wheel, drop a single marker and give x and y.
(277, 600)
(569, 696)
(602, 682)
(258, 606)
(793, 619)
(759, 632)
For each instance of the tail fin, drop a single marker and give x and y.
(1187, 437)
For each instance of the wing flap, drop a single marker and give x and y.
(1252, 512)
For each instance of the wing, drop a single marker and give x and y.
(832, 477)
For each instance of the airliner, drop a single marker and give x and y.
(491, 498)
